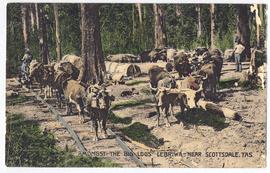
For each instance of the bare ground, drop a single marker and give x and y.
(194, 140)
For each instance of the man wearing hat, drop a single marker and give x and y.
(26, 60)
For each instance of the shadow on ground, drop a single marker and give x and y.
(202, 117)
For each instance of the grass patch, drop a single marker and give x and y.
(202, 117)
(140, 133)
(146, 91)
(227, 83)
(13, 100)
(129, 103)
(28, 146)
(248, 85)
(85, 161)
(115, 119)
(135, 82)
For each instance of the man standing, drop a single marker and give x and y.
(26, 60)
(238, 50)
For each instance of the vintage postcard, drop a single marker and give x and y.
(136, 85)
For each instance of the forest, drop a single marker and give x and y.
(136, 85)
(126, 28)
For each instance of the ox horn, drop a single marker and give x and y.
(185, 90)
(83, 84)
(154, 89)
(200, 89)
(170, 87)
(204, 78)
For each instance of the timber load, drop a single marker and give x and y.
(146, 66)
(126, 69)
(123, 58)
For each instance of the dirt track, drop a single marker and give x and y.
(248, 136)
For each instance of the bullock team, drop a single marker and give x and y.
(64, 77)
(195, 81)
(198, 71)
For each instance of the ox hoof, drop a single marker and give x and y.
(181, 124)
(105, 136)
(82, 121)
(95, 139)
(92, 130)
(168, 125)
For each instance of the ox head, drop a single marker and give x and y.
(34, 68)
(199, 76)
(105, 99)
(161, 94)
(48, 72)
(163, 85)
(192, 96)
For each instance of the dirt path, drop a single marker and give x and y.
(35, 110)
(196, 144)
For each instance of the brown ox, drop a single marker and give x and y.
(97, 107)
(77, 62)
(209, 71)
(44, 75)
(75, 94)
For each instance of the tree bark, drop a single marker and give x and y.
(261, 14)
(92, 53)
(32, 16)
(42, 34)
(139, 8)
(57, 32)
(199, 25)
(133, 23)
(141, 28)
(24, 12)
(160, 34)
(213, 26)
(36, 13)
(243, 27)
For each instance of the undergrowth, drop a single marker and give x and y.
(28, 146)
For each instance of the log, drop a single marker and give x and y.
(125, 69)
(146, 66)
(226, 112)
(123, 58)
(117, 77)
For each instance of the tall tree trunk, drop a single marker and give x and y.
(37, 16)
(145, 35)
(133, 23)
(24, 11)
(213, 26)
(243, 27)
(57, 32)
(199, 25)
(92, 53)
(141, 28)
(32, 16)
(160, 34)
(42, 34)
(261, 14)
(139, 8)
(254, 9)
